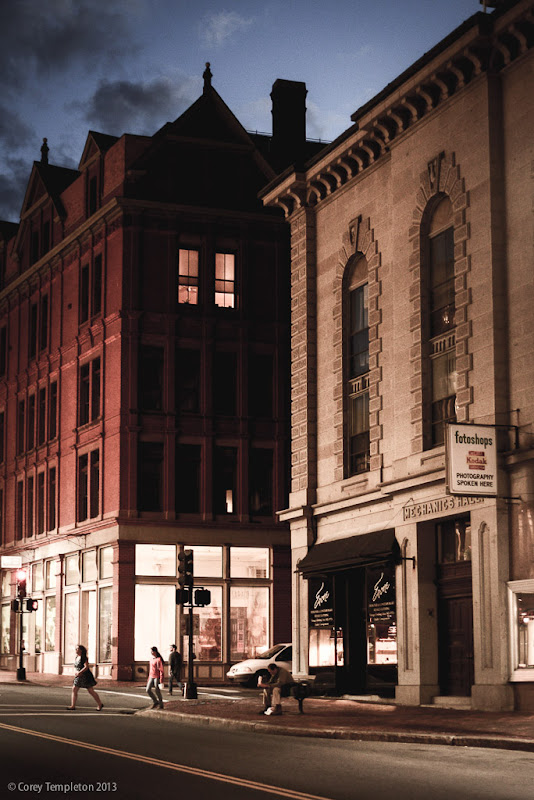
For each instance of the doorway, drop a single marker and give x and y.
(455, 608)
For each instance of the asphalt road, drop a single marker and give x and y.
(46, 750)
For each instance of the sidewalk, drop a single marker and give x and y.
(337, 718)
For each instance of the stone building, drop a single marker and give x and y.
(144, 394)
(412, 246)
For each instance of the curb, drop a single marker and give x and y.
(449, 739)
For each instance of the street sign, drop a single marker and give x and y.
(11, 562)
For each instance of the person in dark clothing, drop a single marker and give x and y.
(175, 668)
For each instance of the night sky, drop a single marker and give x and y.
(129, 66)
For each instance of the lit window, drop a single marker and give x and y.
(521, 606)
(188, 277)
(225, 280)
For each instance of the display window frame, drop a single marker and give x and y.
(517, 674)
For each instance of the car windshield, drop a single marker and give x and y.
(272, 652)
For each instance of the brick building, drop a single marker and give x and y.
(144, 363)
(412, 242)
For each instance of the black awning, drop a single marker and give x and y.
(356, 551)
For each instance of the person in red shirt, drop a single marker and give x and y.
(155, 677)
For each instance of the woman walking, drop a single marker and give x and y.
(84, 679)
(155, 677)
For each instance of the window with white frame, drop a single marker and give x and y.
(521, 620)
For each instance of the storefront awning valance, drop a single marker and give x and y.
(356, 551)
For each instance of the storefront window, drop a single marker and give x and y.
(71, 626)
(249, 562)
(249, 621)
(106, 562)
(521, 603)
(72, 574)
(105, 608)
(50, 571)
(155, 619)
(322, 647)
(525, 630)
(37, 577)
(89, 572)
(39, 627)
(50, 623)
(155, 559)
(207, 629)
(207, 561)
(6, 619)
(381, 616)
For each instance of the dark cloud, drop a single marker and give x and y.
(42, 38)
(14, 133)
(120, 106)
(13, 183)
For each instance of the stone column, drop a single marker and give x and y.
(490, 538)
(416, 616)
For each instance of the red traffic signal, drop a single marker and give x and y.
(21, 583)
(31, 605)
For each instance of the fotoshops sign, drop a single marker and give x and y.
(471, 459)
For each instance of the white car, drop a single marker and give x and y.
(247, 672)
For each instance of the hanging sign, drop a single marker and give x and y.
(471, 452)
(11, 562)
(320, 602)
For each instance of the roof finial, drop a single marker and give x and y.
(207, 76)
(44, 151)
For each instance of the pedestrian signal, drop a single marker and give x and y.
(15, 605)
(31, 605)
(202, 597)
(183, 596)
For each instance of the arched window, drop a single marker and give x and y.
(356, 353)
(441, 323)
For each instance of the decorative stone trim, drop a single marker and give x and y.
(303, 352)
(364, 243)
(441, 177)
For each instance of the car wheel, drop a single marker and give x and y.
(261, 673)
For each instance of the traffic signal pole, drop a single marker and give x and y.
(21, 672)
(190, 687)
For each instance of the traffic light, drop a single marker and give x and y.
(31, 605)
(21, 583)
(15, 605)
(202, 597)
(185, 568)
(183, 596)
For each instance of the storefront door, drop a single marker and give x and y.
(455, 610)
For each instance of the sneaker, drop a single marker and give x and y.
(262, 711)
(273, 711)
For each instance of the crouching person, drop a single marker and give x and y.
(278, 686)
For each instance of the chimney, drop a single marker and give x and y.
(289, 122)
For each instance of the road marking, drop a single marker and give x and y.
(64, 713)
(156, 762)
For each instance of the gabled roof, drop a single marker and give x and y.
(208, 118)
(47, 180)
(96, 143)
(8, 230)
